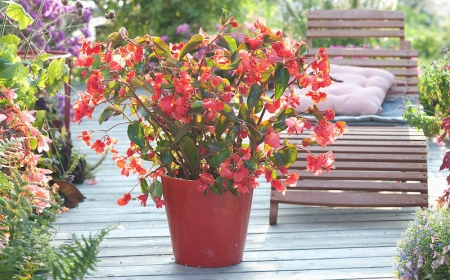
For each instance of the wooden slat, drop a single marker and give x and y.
(343, 149)
(365, 175)
(404, 72)
(368, 52)
(352, 199)
(357, 186)
(327, 23)
(373, 157)
(377, 63)
(356, 33)
(355, 14)
(380, 166)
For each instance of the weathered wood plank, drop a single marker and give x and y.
(350, 199)
(352, 14)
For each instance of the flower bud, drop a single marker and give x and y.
(110, 15)
(78, 5)
(65, 2)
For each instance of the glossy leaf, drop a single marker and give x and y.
(270, 39)
(254, 96)
(161, 47)
(107, 113)
(290, 155)
(216, 188)
(187, 145)
(194, 42)
(139, 81)
(187, 128)
(280, 122)
(217, 146)
(302, 50)
(231, 43)
(166, 157)
(225, 16)
(232, 134)
(156, 188)
(136, 134)
(145, 188)
(218, 158)
(281, 80)
(221, 126)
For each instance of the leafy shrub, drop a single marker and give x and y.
(424, 249)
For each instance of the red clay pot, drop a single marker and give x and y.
(206, 231)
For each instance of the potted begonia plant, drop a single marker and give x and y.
(206, 138)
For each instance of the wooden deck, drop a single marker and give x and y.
(307, 243)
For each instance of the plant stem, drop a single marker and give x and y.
(34, 27)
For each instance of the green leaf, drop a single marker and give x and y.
(56, 70)
(281, 79)
(270, 39)
(229, 114)
(217, 146)
(290, 155)
(182, 132)
(173, 62)
(40, 118)
(156, 188)
(187, 145)
(218, 158)
(194, 42)
(139, 81)
(17, 13)
(9, 70)
(225, 16)
(221, 126)
(107, 112)
(33, 143)
(279, 157)
(254, 96)
(136, 134)
(216, 188)
(145, 189)
(196, 108)
(302, 50)
(10, 39)
(232, 134)
(231, 43)
(280, 122)
(166, 157)
(161, 47)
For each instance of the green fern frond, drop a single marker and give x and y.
(76, 258)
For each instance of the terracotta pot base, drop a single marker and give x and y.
(206, 231)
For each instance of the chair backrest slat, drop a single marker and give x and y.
(400, 59)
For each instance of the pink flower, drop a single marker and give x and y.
(43, 143)
(10, 94)
(2, 117)
(272, 139)
(41, 197)
(27, 117)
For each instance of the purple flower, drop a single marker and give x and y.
(184, 29)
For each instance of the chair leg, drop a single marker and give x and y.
(273, 215)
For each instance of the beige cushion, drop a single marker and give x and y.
(361, 93)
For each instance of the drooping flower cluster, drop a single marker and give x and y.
(191, 123)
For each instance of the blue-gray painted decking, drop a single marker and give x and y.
(307, 243)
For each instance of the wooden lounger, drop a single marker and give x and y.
(376, 166)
